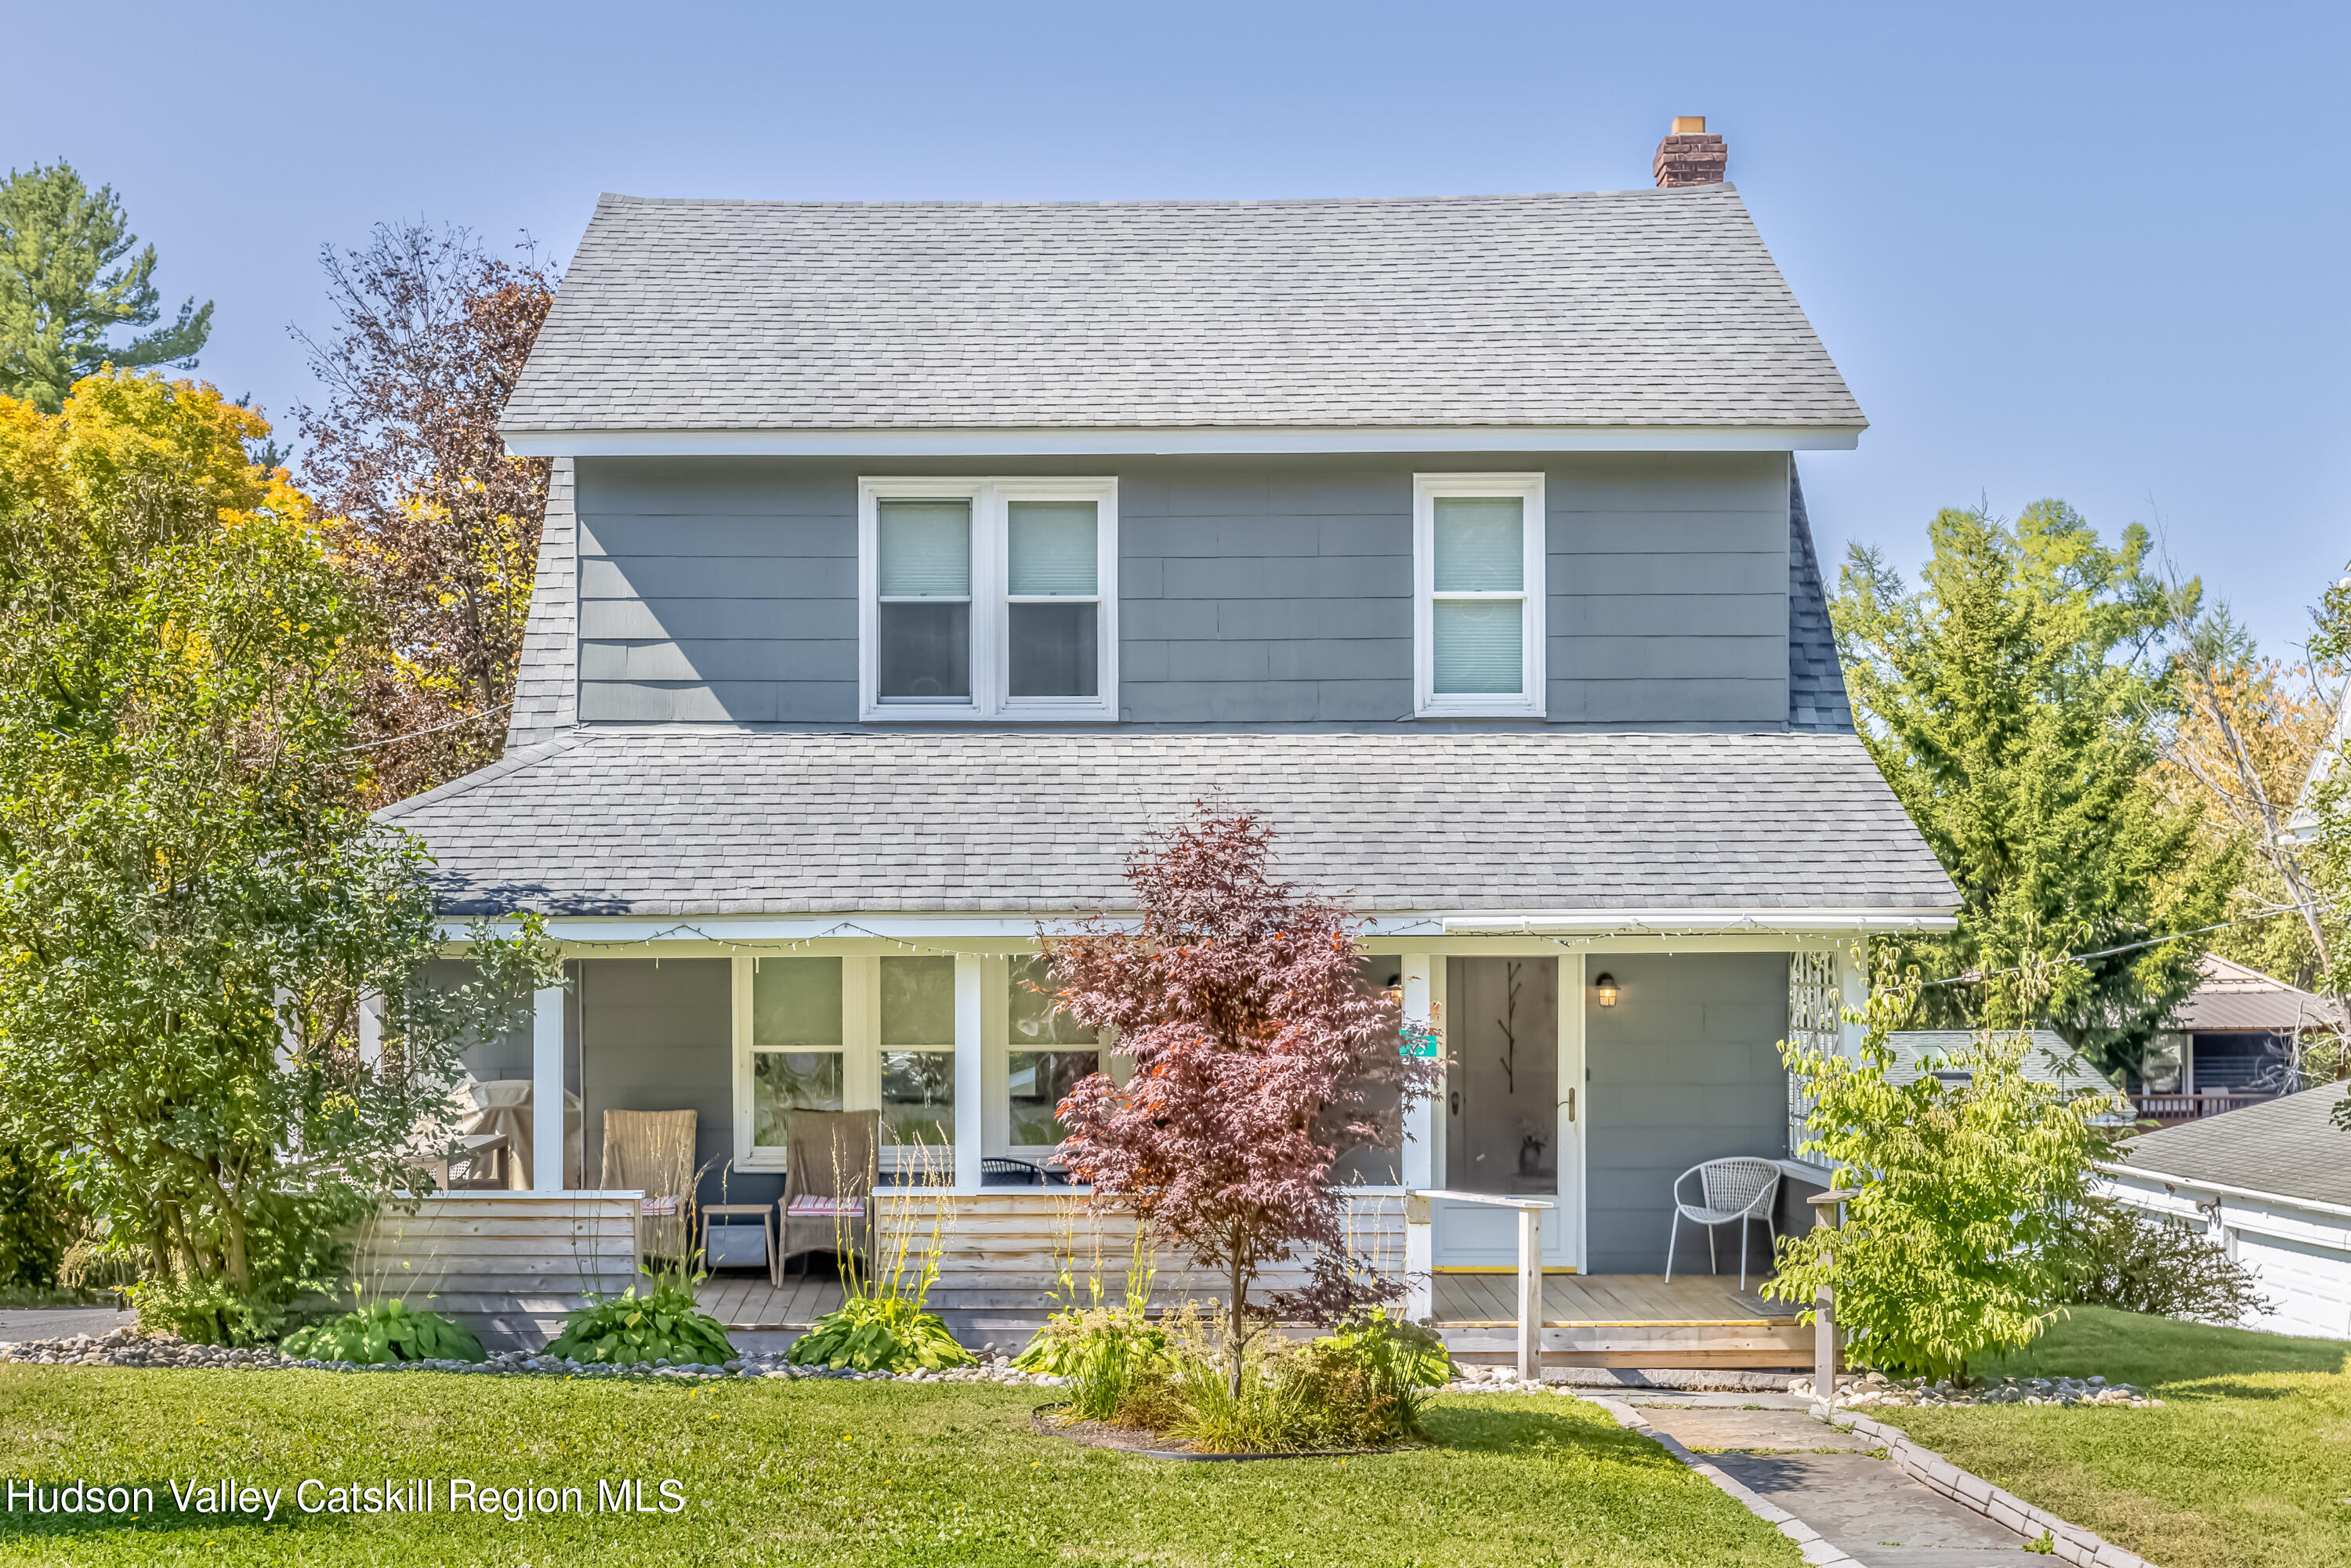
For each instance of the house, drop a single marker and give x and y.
(2047, 1059)
(2269, 1184)
(907, 562)
(2233, 1041)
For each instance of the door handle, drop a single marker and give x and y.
(1570, 1104)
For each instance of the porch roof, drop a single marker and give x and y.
(726, 821)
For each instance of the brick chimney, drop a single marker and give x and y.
(1689, 156)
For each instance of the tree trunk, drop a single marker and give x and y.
(1233, 1340)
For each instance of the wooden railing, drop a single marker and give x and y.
(2190, 1107)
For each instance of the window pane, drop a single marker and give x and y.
(926, 548)
(1477, 645)
(784, 1081)
(1040, 1081)
(918, 1001)
(1051, 547)
(1053, 650)
(918, 1096)
(1480, 544)
(925, 652)
(1035, 1021)
(796, 1001)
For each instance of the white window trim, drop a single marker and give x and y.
(1529, 702)
(991, 625)
(860, 1088)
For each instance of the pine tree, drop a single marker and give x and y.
(2013, 703)
(58, 299)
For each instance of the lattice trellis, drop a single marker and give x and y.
(1815, 1011)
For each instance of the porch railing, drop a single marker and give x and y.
(2204, 1102)
(1418, 1217)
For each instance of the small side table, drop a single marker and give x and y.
(766, 1214)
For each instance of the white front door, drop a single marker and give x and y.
(1512, 1107)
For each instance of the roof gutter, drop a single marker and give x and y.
(1674, 922)
(1015, 442)
(2222, 1190)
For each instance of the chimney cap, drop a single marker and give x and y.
(1689, 125)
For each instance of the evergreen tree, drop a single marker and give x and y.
(2014, 703)
(58, 299)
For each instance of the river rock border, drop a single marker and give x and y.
(2068, 1543)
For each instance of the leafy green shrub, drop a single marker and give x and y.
(883, 1333)
(36, 1227)
(2112, 1255)
(1402, 1354)
(384, 1332)
(628, 1329)
(1958, 1188)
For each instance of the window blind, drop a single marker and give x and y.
(925, 549)
(1051, 548)
(1480, 544)
(1478, 645)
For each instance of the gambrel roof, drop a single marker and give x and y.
(716, 820)
(1650, 307)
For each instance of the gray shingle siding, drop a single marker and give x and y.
(721, 821)
(1252, 590)
(547, 678)
(1816, 696)
(1614, 308)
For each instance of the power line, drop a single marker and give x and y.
(392, 739)
(2110, 952)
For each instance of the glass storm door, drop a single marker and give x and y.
(1506, 1125)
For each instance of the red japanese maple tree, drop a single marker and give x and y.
(1262, 1055)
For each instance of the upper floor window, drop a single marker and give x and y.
(987, 599)
(1477, 595)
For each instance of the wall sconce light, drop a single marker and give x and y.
(1606, 985)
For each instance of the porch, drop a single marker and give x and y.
(1600, 1320)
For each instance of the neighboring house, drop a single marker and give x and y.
(2232, 1043)
(2272, 1185)
(2047, 1059)
(907, 563)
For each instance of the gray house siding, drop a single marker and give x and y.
(1252, 590)
(1685, 1068)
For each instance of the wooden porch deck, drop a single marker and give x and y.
(1598, 1320)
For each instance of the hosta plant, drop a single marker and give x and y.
(628, 1329)
(385, 1331)
(1394, 1350)
(884, 1332)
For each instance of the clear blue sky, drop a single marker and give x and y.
(2091, 252)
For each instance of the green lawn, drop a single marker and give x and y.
(831, 1472)
(2246, 1466)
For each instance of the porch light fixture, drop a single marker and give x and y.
(1606, 985)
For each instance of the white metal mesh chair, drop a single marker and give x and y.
(1740, 1188)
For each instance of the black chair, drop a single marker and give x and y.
(999, 1171)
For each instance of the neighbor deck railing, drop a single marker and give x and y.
(2190, 1107)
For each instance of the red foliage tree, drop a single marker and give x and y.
(1262, 1055)
(431, 333)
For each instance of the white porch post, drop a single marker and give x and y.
(547, 1091)
(970, 1136)
(1420, 1165)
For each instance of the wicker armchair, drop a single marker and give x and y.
(832, 1161)
(653, 1151)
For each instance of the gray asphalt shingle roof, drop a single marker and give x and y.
(675, 821)
(2289, 1147)
(1613, 308)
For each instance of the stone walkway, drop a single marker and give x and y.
(1866, 1508)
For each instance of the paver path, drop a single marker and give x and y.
(1864, 1507)
(58, 1323)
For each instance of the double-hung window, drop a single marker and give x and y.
(989, 599)
(796, 1047)
(918, 1076)
(1477, 598)
(1049, 1052)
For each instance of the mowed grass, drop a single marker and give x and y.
(2247, 1465)
(830, 1472)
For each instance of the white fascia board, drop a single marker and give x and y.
(1201, 440)
(1639, 921)
(587, 929)
(2222, 1190)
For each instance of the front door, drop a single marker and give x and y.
(1511, 1127)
